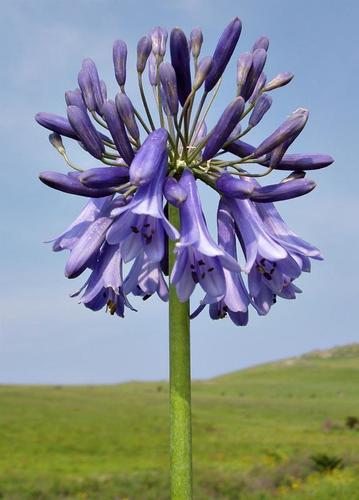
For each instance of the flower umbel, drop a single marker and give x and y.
(151, 159)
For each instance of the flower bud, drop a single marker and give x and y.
(56, 141)
(103, 90)
(282, 191)
(234, 187)
(89, 66)
(85, 85)
(195, 42)
(293, 125)
(223, 52)
(258, 88)
(119, 55)
(259, 57)
(261, 43)
(104, 177)
(303, 161)
(149, 158)
(127, 114)
(70, 184)
(85, 130)
(159, 40)
(57, 124)
(173, 192)
(240, 148)
(152, 69)
(229, 119)
(74, 98)
(144, 48)
(279, 81)
(235, 133)
(117, 130)
(244, 64)
(181, 63)
(261, 107)
(203, 69)
(169, 85)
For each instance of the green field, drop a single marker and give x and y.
(255, 435)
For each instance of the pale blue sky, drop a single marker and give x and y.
(47, 337)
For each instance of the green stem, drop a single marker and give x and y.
(180, 387)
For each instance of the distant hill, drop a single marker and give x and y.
(285, 429)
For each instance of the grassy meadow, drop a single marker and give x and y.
(278, 430)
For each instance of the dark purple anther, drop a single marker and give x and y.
(127, 114)
(181, 62)
(173, 192)
(89, 66)
(223, 52)
(203, 69)
(234, 187)
(149, 158)
(261, 43)
(117, 130)
(85, 85)
(169, 85)
(244, 64)
(229, 119)
(259, 57)
(74, 98)
(282, 191)
(293, 125)
(71, 184)
(279, 81)
(159, 40)
(104, 177)
(119, 54)
(261, 107)
(144, 48)
(195, 42)
(258, 88)
(58, 124)
(85, 130)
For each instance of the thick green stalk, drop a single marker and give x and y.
(180, 387)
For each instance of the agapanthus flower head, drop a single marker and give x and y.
(149, 161)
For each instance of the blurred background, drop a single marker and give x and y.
(46, 337)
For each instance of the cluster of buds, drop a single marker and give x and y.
(150, 160)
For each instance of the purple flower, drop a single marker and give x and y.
(229, 119)
(85, 130)
(57, 124)
(127, 114)
(119, 55)
(293, 125)
(144, 48)
(180, 63)
(149, 160)
(104, 177)
(236, 300)
(72, 184)
(118, 132)
(282, 191)
(173, 192)
(145, 279)
(195, 42)
(140, 226)
(149, 163)
(169, 85)
(199, 259)
(223, 52)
